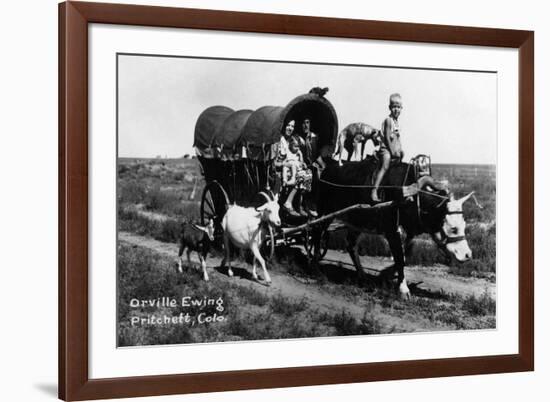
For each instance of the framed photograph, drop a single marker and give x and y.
(259, 200)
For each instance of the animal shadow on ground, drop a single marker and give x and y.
(337, 274)
(385, 279)
(293, 260)
(242, 273)
(389, 275)
(425, 293)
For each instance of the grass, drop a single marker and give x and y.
(164, 186)
(463, 180)
(250, 313)
(347, 324)
(479, 306)
(163, 230)
(253, 297)
(282, 305)
(253, 314)
(146, 188)
(170, 202)
(446, 309)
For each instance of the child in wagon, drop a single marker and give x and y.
(293, 163)
(295, 174)
(390, 146)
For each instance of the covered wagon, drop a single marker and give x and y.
(237, 148)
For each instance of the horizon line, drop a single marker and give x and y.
(160, 157)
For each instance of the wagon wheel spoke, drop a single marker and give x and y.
(268, 248)
(310, 247)
(209, 206)
(213, 205)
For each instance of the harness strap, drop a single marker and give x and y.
(443, 197)
(454, 239)
(445, 239)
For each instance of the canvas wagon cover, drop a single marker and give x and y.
(263, 126)
(230, 131)
(318, 110)
(266, 125)
(255, 135)
(208, 125)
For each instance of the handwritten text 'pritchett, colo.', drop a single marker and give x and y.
(202, 311)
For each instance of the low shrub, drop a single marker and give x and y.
(167, 231)
(484, 305)
(346, 324)
(287, 307)
(482, 241)
(131, 192)
(253, 296)
(161, 201)
(373, 244)
(425, 252)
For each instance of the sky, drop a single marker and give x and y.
(449, 115)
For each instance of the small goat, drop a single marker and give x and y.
(196, 238)
(243, 227)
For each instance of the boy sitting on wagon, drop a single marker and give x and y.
(390, 146)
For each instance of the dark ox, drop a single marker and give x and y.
(432, 210)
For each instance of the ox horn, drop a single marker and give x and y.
(465, 198)
(436, 185)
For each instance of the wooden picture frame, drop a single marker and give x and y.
(74, 381)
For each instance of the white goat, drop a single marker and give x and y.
(243, 228)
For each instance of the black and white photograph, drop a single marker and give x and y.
(265, 200)
(275, 200)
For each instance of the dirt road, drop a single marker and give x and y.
(432, 279)
(337, 295)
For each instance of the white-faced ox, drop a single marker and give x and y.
(196, 238)
(245, 228)
(433, 211)
(451, 236)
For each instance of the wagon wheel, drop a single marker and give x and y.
(214, 204)
(308, 244)
(268, 245)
